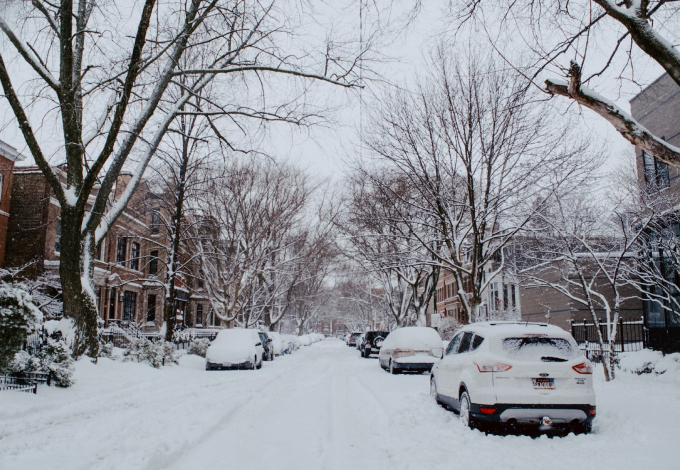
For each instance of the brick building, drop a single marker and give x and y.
(8, 157)
(130, 264)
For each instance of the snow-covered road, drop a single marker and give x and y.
(322, 408)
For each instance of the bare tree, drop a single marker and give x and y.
(597, 36)
(378, 230)
(255, 243)
(477, 147)
(107, 84)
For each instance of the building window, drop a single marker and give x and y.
(153, 263)
(112, 303)
(134, 256)
(199, 314)
(101, 250)
(155, 221)
(656, 173)
(121, 250)
(505, 296)
(513, 289)
(151, 307)
(129, 305)
(57, 237)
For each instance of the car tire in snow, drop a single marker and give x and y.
(393, 370)
(584, 428)
(433, 390)
(465, 416)
(255, 363)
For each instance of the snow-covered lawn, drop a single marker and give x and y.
(322, 407)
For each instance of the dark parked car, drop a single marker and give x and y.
(352, 340)
(372, 342)
(268, 345)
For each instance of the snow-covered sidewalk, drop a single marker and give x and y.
(322, 407)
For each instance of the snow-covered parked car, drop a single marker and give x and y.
(235, 348)
(352, 339)
(412, 348)
(268, 345)
(518, 375)
(279, 343)
(304, 340)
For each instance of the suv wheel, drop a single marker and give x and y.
(433, 389)
(465, 416)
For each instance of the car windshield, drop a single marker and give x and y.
(539, 349)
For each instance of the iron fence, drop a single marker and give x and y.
(630, 336)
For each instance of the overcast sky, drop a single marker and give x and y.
(324, 149)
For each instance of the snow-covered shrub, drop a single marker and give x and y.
(106, 350)
(199, 347)
(18, 318)
(153, 353)
(54, 358)
(169, 352)
(649, 362)
(448, 327)
(23, 362)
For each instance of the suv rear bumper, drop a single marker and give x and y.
(531, 415)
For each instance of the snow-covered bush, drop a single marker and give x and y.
(155, 354)
(199, 347)
(448, 327)
(649, 362)
(54, 358)
(106, 350)
(18, 318)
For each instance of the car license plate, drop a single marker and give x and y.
(544, 384)
(421, 353)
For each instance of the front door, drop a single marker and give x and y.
(129, 306)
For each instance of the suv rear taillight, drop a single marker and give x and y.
(583, 368)
(496, 367)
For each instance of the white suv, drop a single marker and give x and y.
(516, 374)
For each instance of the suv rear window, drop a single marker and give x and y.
(539, 349)
(370, 336)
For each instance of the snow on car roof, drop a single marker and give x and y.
(503, 328)
(413, 337)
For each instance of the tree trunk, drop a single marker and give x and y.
(78, 305)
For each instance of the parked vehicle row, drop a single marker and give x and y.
(523, 376)
(241, 348)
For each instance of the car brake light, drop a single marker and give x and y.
(583, 368)
(488, 411)
(497, 367)
(402, 350)
(592, 412)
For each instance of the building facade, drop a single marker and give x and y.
(657, 107)
(131, 261)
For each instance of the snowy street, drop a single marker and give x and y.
(323, 407)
